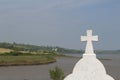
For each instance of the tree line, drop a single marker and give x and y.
(34, 48)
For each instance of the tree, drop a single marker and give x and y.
(56, 74)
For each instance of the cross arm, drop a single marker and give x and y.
(83, 38)
(95, 38)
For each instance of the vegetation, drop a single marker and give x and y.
(56, 74)
(25, 54)
(3, 50)
(34, 48)
(22, 54)
(20, 58)
(25, 60)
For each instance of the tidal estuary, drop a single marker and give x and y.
(41, 72)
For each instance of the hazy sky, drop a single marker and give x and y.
(60, 22)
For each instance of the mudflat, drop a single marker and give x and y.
(41, 72)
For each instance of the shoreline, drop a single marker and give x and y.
(26, 64)
(41, 72)
(41, 63)
(25, 60)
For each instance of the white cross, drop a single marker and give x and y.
(89, 38)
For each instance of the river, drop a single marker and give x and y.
(41, 72)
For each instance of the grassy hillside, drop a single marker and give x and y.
(34, 48)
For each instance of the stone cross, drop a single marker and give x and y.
(89, 38)
(89, 67)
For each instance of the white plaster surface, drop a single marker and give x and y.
(89, 67)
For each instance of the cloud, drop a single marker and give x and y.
(72, 3)
(45, 4)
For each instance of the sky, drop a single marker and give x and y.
(60, 22)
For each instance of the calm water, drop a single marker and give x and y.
(41, 72)
(104, 56)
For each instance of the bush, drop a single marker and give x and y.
(15, 53)
(56, 74)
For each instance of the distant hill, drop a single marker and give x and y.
(34, 48)
(107, 51)
(7, 47)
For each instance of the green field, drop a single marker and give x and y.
(9, 57)
(25, 60)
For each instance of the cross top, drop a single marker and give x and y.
(89, 38)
